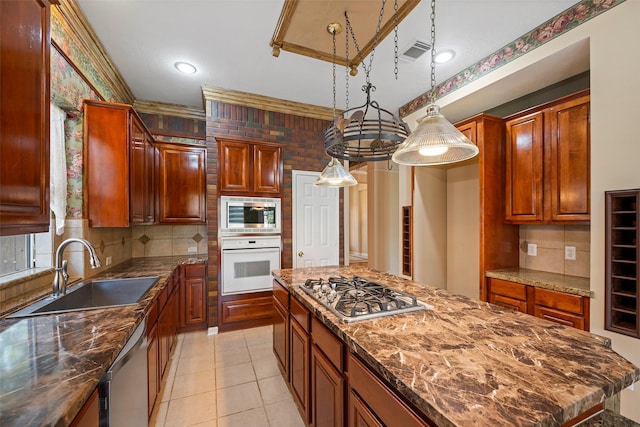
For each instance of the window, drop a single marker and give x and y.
(16, 253)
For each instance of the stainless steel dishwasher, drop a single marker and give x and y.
(123, 389)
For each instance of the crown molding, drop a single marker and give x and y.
(154, 107)
(228, 96)
(77, 27)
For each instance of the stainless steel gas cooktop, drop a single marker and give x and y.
(358, 298)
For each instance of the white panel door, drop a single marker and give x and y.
(315, 222)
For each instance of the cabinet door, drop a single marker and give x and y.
(281, 337)
(507, 294)
(235, 167)
(153, 368)
(150, 172)
(327, 392)
(569, 153)
(89, 415)
(469, 130)
(193, 291)
(360, 415)
(182, 186)
(266, 169)
(524, 181)
(138, 174)
(299, 368)
(24, 118)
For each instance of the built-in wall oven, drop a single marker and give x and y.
(247, 262)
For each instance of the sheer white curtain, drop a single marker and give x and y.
(58, 168)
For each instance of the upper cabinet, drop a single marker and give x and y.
(249, 168)
(119, 166)
(182, 186)
(547, 163)
(24, 116)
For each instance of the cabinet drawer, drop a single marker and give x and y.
(281, 294)
(561, 317)
(247, 309)
(195, 270)
(330, 345)
(300, 313)
(559, 300)
(510, 303)
(508, 289)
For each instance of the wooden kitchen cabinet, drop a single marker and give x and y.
(281, 328)
(249, 168)
(373, 403)
(119, 166)
(559, 307)
(153, 362)
(299, 345)
(89, 415)
(547, 163)
(24, 116)
(182, 183)
(193, 297)
(327, 377)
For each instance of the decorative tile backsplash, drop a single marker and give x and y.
(169, 240)
(551, 241)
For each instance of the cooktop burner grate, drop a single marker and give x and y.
(358, 298)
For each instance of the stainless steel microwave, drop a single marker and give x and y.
(239, 215)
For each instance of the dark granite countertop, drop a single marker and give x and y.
(467, 362)
(541, 279)
(50, 364)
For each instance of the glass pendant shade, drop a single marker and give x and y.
(335, 175)
(434, 142)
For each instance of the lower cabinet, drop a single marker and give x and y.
(559, 307)
(327, 393)
(89, 415)
(193, 297)
(299, 345)
(281, 328)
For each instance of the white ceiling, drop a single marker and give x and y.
(228, 42)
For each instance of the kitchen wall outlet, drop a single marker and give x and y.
(108, 260)
(570, 253)
(192, 249)
(532, 249)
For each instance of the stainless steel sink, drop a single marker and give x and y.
(93, 294)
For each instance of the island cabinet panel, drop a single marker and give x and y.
(281, 336)
(249, 168)
(24, 116)
(382, 402)
(327, 377)
(182, 186)
(508, 294)
(360, 415)
(153, 362)
(89, 415)
(193, 297)
(559, 307)
(119, 166)
(548, 163)
(299, 346)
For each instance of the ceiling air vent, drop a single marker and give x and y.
(415, 50)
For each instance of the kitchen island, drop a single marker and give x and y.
(50, 364)
(466, 362)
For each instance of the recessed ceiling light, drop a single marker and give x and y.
(185, 67)
(445, 56)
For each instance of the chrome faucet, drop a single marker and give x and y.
(61, 277)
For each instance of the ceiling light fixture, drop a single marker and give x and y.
(435, 141)
(185, 67)
(334, 174)
(367, 132)
(445, 56)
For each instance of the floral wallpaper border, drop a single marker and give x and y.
(572, 17)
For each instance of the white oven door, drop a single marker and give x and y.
(248, 270)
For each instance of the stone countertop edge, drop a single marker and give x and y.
(74, 350)
(489, 336)
(575, 285)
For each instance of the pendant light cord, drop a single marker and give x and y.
(432, 92)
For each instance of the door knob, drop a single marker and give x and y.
(300, 254)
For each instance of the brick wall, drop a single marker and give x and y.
(303, 149)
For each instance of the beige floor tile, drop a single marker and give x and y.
(256, 417)
(195, 383)
(194, 350)
(259, 335)
(273, 389)
(232, 357)
(284, 413)
(265, 368)
(210, 423)
(238, 398)
(165, 390)
(229, 340)
(159, 414)
(189, 365)
(260, 351)
(241, 373)
(187, 411)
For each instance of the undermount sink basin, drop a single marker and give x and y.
(91, 294)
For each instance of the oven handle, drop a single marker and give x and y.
(252, 250)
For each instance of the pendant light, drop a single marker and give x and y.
(367, 132)
(334, 174)
(435, 141)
